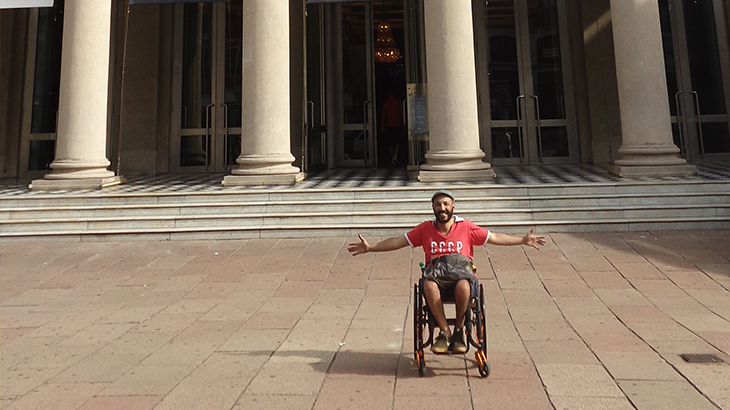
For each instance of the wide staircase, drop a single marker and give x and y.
(374, 203)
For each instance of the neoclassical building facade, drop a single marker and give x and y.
(268, 91)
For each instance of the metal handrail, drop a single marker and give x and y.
(208, 109)
(680, 122)
(225, 134)
(519, 126)
(366, 118)
(699, 121)
(310, 117)
(539, 127)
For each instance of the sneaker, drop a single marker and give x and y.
(458, 345)
(441, 344)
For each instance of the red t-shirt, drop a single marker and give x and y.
(461, 238)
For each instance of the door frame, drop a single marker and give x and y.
(528, 123)
(690, 127)
(335, 126)
(26, 137)
(218, 130)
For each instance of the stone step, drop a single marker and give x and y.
(182, 211)
(233, 232)
(355, 206)
(421, 194)
(486, 217)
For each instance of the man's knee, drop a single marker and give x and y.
(430, 285)
(463, 288)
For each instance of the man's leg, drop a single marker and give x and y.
(433, 298)
(462, 294)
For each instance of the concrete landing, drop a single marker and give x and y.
(592, 321)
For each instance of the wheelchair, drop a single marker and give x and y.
(475, 325)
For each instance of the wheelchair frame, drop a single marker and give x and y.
(475, 327)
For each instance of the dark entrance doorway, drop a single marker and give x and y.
(357, 58)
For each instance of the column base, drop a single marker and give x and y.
(270, 179)
(652, 171)
(74, 184)
(479, 175)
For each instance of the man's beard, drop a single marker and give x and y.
(443, 217)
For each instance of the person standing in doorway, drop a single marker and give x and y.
(391, 125)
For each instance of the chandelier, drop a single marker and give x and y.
(386, 51)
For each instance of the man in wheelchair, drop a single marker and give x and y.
(448, 243)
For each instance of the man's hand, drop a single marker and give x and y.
(532, 240)
(360, 247)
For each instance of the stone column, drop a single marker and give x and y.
(80, 161)
(266, 157)
(454, 153)
(647, 147)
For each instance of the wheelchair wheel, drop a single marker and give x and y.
(418, 330)
(481, 331)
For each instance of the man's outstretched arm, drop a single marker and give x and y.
(389, 244)
(528, 240)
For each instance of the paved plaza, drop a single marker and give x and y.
(592, 321)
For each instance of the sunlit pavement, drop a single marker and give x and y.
(592, 321)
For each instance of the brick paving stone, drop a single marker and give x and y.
(100, 367)
(62, 396)
(570, 306)
(134, 343)
(373, 340)
(518, 279)
(622, 297)
(640, 314)
(441, 402)
(637, 366)
(553, 270)
(582, 380)
(509, 394)
(527, 297)
(147, 380)
(591, 264)
(692, 280)
(560, 352)
(294, 289)
(348, 363)
(121, 403)
(183, 353)
(639, 270)
(658, 288)
(605, 280)
(510, 366)
(591, 403)
(650, 395)
(567, 288)
(661, 331)
(530, 331)
(355, 393)
(536, 314)
(282, 401)
(286, 377)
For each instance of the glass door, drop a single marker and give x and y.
(210, 88)
(530, 83)
(697, 68)
(351, 45)
(42, 82)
